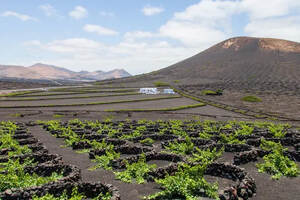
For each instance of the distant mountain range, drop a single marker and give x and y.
(41, 71)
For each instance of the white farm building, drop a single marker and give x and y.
(169, 91)
(149, 91)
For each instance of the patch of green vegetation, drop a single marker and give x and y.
(135, 171)
(58, 116)
(244, 129)
(147, 141)
(176, 81)
(183, 148)
(16, 115)
(74, 196)
(104, 161)
(251, 99)
(260, 116)
(100, 145)
(7, 142)
(187, 183)
(231, 139)
(13, 175)
(208, 92)
(276, 163)
(135, 133)
(278, 130)
(205, 156)
(7, 130)
(160, 84)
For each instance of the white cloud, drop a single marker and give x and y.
(284, 28)
(48, 9)
(73, 45)
(99, 30)
(192, 35)
(273, 18)
(151, 10)
(202, 24)
(258, 9)
(18, 15)
(107, 14)
(79, 12)
(135, 35)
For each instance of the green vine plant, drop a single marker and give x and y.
(244, 130)
(7, 142)
(230, 139)
(135, 171)
(188, 183)
(135, 133)
(148, 142)
(12, 175)
(104, 161)
(74, 196)
(278, 130)
(205, 156)
(276, 163)
(183, 148)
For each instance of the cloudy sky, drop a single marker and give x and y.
(137, 35)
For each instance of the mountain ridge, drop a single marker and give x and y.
(50, 72)
(239, 59)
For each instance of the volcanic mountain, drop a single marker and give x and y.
(49, 72)
(241, 59)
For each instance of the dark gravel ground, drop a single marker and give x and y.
(127, 191)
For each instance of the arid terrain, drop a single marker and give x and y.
(209, 125)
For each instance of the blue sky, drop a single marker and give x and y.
(137, 35)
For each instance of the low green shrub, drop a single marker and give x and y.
(251, 99)
(74, 196)
(276, 163)
(206, 156)
(135, 171)
(147, 141)
(58, 116)
(183, 148)
(160, 84)
(188, 183)
(231, 139)
(208, 92)
(13, 175)
(104, 161)
(278, 130)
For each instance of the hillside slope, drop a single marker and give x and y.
(49, 72)
(241, 59)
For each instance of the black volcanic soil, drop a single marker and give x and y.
(127, 191)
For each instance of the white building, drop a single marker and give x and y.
(169, 91)
(149, 91)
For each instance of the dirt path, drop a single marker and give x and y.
(127, 191)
